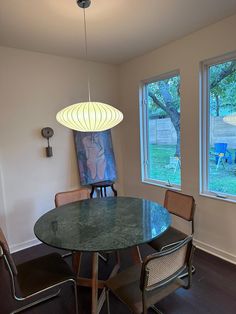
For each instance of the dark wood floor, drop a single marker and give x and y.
(213, 291)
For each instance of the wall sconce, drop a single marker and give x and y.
(47, 133)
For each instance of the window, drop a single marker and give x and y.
(218, 171)
(160, 131)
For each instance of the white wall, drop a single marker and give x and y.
(215, 219)
(33, 87)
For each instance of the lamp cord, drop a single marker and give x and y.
(86, 53)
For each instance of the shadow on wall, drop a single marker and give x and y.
(21, 218)
(3, 224)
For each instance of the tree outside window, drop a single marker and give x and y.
(161, 119)
(220, 89)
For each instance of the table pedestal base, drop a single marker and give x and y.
(94, 282)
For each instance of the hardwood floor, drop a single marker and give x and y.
(213, 290)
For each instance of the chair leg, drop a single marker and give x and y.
(220, 160)
(66, 254)
(155, 309)
(108, 302)
(36, 302)
(185, 274)
(76, 260)
(76, 298)
(102, 257)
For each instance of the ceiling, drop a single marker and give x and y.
(118, 30)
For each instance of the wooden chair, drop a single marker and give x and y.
(143, 285)
(183, 206)
(63, 198)
(40, 275)
(66, 197)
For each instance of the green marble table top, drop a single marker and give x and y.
(102, 224)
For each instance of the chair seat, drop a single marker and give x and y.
(41, 273)
(125, 286)
(171, 235)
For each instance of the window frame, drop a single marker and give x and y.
(144, 136)
(204, 124)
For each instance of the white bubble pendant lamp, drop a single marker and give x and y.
(90, 116)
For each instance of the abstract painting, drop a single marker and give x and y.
(95, 157)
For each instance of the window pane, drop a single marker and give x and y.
(163, 125)
(222, 128)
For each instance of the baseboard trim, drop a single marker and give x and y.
(215, 251)
(24, 245)
(199, 244)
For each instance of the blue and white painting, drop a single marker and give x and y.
(95, 157)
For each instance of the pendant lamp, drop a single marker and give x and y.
(89, 116)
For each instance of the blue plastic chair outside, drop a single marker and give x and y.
(221, 148)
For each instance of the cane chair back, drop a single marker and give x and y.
(142, 286)
(158, 269)
(183, 206)
(179, 204)
(63, 198)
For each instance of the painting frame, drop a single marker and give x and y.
(95, 157)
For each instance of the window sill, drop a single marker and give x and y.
(218, 198)
(162, 185)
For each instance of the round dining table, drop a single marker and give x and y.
(102, 224)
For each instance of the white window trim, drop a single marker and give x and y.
(204, 127)
(144, 132)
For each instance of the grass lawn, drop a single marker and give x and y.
(160, 167)
(220, 180)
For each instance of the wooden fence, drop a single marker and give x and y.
(162, 132)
